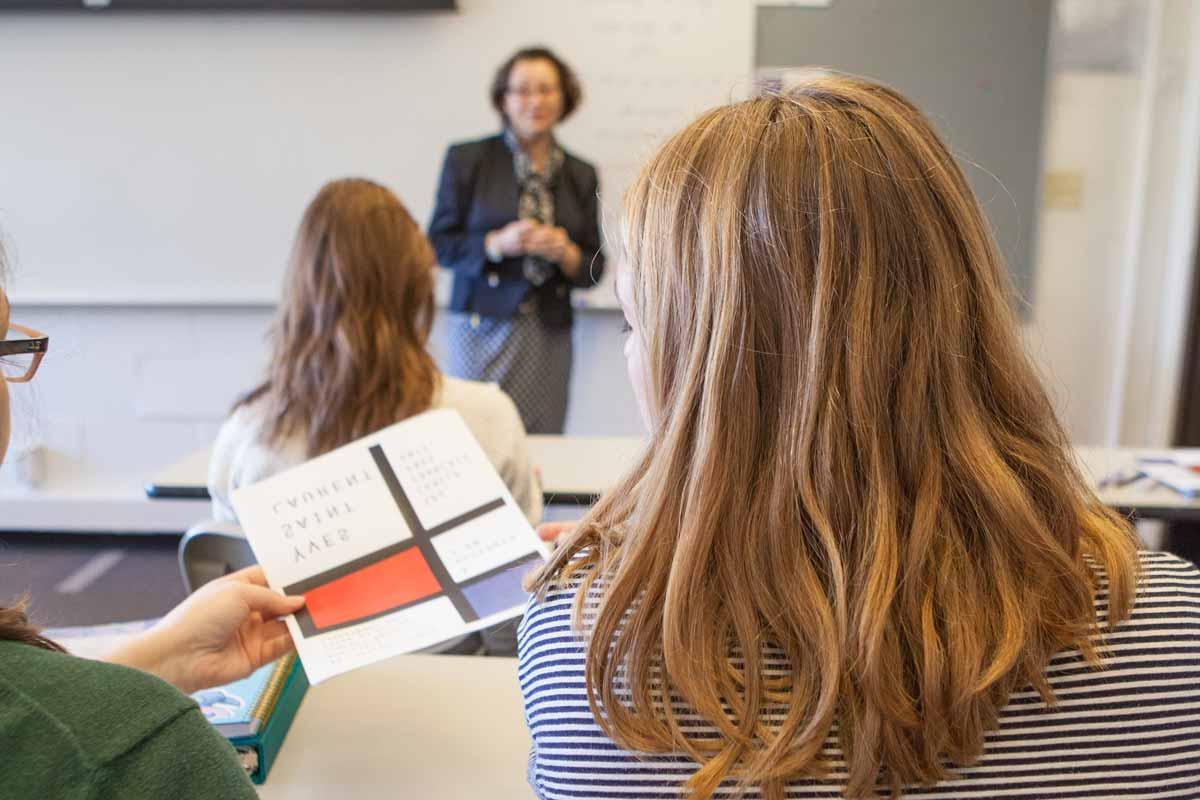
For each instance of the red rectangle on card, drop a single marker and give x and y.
(395, 581)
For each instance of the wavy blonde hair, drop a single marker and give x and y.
(851, 459)
(348, 344)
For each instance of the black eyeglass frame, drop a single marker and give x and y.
(37, 344)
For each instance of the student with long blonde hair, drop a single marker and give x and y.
(856, 558)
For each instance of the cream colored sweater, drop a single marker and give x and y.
(239, 457)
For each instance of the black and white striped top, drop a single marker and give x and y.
(1129, 730)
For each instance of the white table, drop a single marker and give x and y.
(445, 727)
(574, 469)
(186, 479)
(1145, 498)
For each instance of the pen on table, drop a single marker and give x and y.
(1121, 478)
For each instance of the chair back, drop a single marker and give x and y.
(211, 549)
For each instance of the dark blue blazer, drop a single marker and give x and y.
(477, 193)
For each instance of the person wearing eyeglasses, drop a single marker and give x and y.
(21, 355)
(123, 727)
(517, 222)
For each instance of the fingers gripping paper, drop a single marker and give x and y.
(397, 541)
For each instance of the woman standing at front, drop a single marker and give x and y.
(516, 219)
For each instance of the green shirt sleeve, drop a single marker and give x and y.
(185, 759)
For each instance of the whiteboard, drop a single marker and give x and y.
(166, 159)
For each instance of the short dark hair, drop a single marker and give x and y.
(572, 94)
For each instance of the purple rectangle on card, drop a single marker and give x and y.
(502, 590)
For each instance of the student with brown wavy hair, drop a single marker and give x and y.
(857, 557)
(348, 352)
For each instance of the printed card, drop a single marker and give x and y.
(398, 541)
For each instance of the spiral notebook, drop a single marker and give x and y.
(239, 708)
(255, 713)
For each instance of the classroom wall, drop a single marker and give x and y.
(1114, 267)
(980, 77)
(1090, 134)
(1163, 257)
(127, 390)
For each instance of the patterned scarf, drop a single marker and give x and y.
(535, 200)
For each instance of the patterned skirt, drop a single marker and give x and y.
(530, 361)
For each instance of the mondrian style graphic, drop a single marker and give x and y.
(479, 577)
(398, 541)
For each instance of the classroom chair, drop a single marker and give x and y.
(211, 549)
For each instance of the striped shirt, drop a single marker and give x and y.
(1129, 730)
